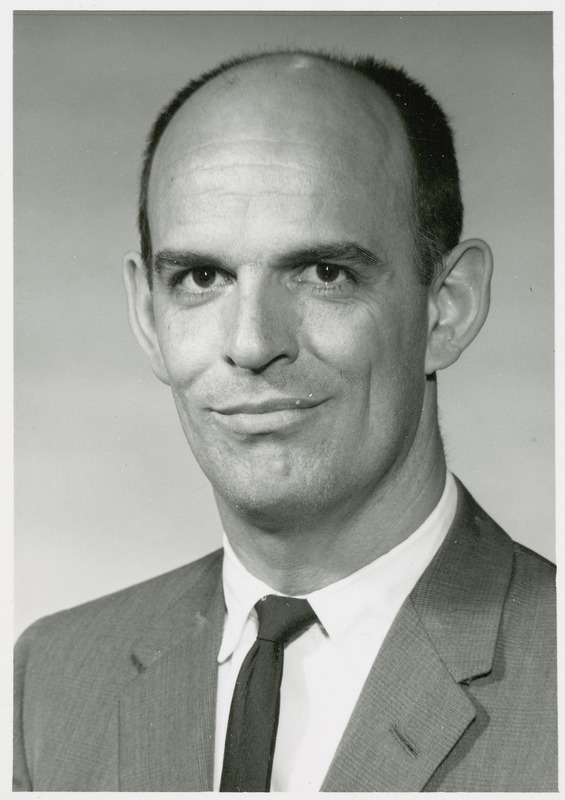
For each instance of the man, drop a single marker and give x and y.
(301, 281)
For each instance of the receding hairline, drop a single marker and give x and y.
(386, 127)
(224, 81)
(435, 181)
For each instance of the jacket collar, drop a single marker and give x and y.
(460, 597)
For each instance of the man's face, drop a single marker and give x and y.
(289, 315)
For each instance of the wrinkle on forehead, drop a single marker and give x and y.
(195, 149)
(281, 116)
(242, 152)
(268, 157)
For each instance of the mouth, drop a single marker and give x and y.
(269, 406)
(265, 416)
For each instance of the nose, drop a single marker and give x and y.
(260, 325)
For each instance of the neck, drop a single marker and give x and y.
(308, 552)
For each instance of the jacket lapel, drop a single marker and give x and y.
(167, 714)
(413, 710)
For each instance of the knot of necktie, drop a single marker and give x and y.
(282, 618)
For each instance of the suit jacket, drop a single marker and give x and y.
(119, 694)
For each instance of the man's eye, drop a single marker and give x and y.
(324, 273)
(199, 279)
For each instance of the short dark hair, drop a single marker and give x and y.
(437, 204)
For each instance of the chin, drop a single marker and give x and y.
(269, 483)
(266, 507)
(282, 504)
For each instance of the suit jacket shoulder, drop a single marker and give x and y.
(135, 604)
(73, 665)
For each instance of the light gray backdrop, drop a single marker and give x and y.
(107, 492)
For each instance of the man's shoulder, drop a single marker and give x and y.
(123, 614)
(531, 599)
(482, 583)
(72, 667)
(532, 570)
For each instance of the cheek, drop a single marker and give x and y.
(186, 347)
(367, 342)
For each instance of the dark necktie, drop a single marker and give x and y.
(254, 712)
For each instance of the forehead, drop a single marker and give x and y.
(283, 127)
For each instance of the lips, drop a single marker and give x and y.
(266, 416)
(269, 405)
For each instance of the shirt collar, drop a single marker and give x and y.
(241, 591)
(346, 609)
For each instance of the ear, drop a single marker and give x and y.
(458, 303)
(141, 313)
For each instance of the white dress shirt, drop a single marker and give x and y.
(324, 668)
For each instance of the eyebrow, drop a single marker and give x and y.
(338, 251)
(343, 252)
(185, 259)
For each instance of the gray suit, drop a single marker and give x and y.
(119, 694)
